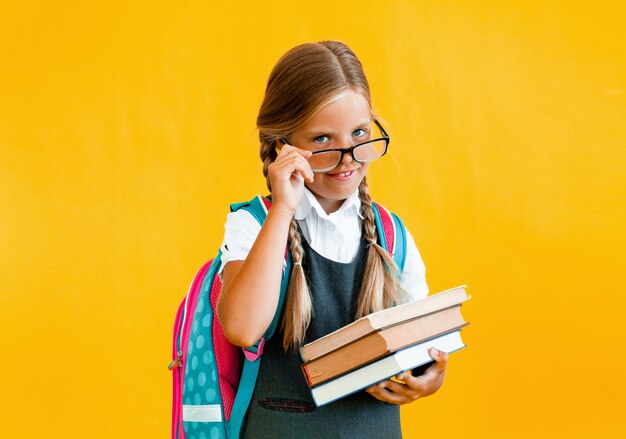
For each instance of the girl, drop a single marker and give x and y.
(317, 99)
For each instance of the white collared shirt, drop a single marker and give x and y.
(335, 236)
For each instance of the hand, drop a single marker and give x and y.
(413, 387)
(287, 176)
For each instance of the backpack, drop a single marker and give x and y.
(213, 379)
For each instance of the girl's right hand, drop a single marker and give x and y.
(287, 176)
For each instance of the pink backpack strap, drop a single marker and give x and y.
(389, 227)
(391, 234)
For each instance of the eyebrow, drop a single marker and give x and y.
(322, 131)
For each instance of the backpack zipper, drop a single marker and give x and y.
(176, 362)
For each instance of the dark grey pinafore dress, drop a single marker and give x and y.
(282, 406)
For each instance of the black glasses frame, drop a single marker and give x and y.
(352, 148)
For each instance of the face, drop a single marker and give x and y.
(341, 123)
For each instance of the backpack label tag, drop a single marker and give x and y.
(202, 413)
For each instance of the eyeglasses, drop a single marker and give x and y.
(322, 161)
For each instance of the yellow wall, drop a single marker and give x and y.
(125, 132)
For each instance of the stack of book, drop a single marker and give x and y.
(382, 345)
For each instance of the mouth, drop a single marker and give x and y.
(345, 175)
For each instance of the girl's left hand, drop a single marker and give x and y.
(413, 388)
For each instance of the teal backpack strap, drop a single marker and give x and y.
(391, 234)
(258, 207)
(400, 251)
(250, 370)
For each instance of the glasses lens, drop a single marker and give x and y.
(370, 151)
(324, 161)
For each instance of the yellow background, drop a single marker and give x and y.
(126, 131)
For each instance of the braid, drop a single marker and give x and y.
(298, 306)
(268, 155)
(381, 286)
(369, 223)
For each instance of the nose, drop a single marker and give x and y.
(346, 157)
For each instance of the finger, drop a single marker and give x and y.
(293, 154)
(294, 162)
(396, 388)
(283, 149)
(418, 384)
(382, 393)
(286, 148)
(441, 359)
(304, 152)
(401, 389)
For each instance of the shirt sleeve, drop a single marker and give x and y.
(241, 230)
(414, 275)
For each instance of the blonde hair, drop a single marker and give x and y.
(302, 81)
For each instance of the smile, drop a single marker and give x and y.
(343, 175)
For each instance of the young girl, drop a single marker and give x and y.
(317, 99)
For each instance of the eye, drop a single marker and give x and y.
(321, 139)
(360, 132)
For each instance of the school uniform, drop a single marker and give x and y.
(335, 254)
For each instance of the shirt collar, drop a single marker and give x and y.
(309, 202)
